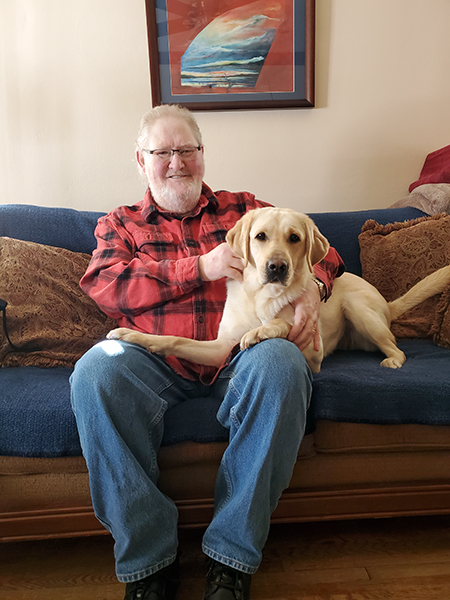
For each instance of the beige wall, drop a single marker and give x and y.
(75, 81)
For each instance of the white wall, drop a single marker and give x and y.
(75, 81)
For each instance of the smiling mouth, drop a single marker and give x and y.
(177, 174)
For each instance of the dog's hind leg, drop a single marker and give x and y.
(371, 330)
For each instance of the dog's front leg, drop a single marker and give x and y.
(210, 353)
(277, 328)
(158, 344)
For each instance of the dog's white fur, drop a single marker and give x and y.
(279, 248)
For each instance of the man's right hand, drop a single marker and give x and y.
(220, 262)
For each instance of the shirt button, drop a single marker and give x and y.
(200, 318)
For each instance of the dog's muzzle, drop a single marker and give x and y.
(277, 271)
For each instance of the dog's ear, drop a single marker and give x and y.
(317, 245)
(238, 237)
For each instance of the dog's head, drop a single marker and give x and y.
(279, 243)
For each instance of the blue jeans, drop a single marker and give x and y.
(120, 393)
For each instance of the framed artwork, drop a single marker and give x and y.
(232, 54)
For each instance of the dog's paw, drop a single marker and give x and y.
(277, 328)
(249, 339)
(126, 335)
(118, 334)
(393, 362)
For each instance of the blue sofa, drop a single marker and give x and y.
(378, 441)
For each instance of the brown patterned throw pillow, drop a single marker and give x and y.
(441, 328)
(396, 256)
(46, 307)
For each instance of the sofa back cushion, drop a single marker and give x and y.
(62, 227)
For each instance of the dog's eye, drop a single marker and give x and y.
(261, 236)
(294, 238)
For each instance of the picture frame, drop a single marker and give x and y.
(232, 54)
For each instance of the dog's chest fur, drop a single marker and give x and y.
(250, 304)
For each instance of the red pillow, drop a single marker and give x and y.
(436, 168)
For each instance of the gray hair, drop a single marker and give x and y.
(166, 110)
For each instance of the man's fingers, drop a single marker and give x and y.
(220, 262)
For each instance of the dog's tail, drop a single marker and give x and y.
(435, 283)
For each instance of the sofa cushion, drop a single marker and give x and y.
(352, 387)
(396, 256)
(47, 309)
(37, 418)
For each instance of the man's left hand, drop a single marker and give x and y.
(305, 328)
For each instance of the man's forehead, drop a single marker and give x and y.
(168, 128)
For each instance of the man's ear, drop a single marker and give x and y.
(317, 245)
(238, 237)
(140, 161)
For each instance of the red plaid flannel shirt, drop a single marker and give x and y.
(145, 272)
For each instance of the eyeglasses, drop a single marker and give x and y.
(166, 154)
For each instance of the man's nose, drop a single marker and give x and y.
(176, 161)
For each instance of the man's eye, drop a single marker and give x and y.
(294, 238)
(164, 154)
(261, 236)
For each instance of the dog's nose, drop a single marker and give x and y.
(277, 270)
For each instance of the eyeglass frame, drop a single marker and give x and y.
(172, 152)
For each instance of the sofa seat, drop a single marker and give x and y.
(352, 387)
(48, 426)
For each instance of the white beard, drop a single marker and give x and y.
(179, 201)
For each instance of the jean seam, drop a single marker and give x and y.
(230, 562)
(146, 572)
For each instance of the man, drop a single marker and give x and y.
(160, 267)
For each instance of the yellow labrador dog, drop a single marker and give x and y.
(279, 248)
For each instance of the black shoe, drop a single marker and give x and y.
(225, 583)
(162, 585)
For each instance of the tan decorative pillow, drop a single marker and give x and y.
(396, 256)
(441, 328)
(46, 307)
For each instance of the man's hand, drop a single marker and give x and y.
(306, 318)
(221, 262)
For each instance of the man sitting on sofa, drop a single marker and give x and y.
(159, 267)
